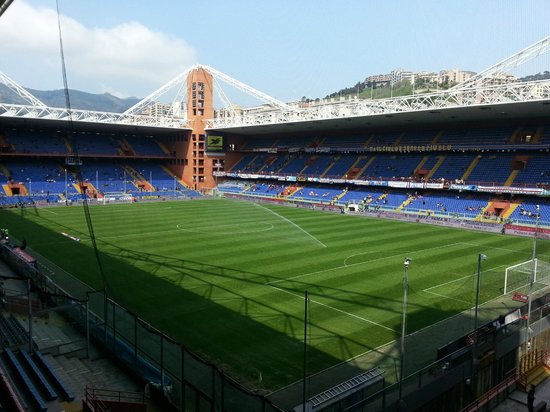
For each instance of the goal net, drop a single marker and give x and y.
(517, 278)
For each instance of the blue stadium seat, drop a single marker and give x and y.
(29, 386)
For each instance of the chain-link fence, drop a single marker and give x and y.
(188, 382)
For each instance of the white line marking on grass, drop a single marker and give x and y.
(447, 283)
(527, 253)
(493, 247)
(135, 234)
(358, 254)
(459, 279)
(404, 253)
(358, 263)
(46, 209)
(227, 229)
(335, 309)
(376, 349)
(447, 297)
(292, 223)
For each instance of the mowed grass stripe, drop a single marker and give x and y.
(213, 279)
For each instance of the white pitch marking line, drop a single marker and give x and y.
(292, 223)
(335, 309)
(358, 263)
(137, 234)
(462, 278)
(238, 226)
(447, 297)
(528, 253)
(47, 210)
(447, 283)
(416, 251)
(492, 247)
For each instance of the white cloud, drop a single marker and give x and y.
(129, 58)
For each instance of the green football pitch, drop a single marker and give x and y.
(227, 278)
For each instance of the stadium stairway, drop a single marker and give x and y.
(382, 196)
(77, 187)
(419, 166)
(268, 162)
(511, 178)
(323, 174)
(405, 203)
(437, 137)
(291, 190)
(126, 147)
(5, 170)
(341, 195)
(538, 135)
(436, 166)
(68, 145)
(91, 188)
(514, 135)
(7, 190)
(61, 346)
(139, 182)
(508, 212)
(163, 147)
(471, 168)
(398, 140)
(533, 369)
(169, 172)
(369, 140)
(505, 213)
(481, 216)
(366, 166)
(353, 171)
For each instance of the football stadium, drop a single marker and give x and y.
(322, 255)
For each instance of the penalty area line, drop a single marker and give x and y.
(446, 297)
(292, 223)
(356, 264)
(335, 309)
(46, 210)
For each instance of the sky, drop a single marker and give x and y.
(285, 48)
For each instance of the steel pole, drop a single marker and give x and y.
(403, 325)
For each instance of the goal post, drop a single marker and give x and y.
(518, 277)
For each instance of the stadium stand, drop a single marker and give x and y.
(344, 142)
(28, 385)
(43, 384)
(145, 147)
(341, 166)
(10, 398)
(272, 164)
(453, 167)
(392, 166)
(294, 165)
(399, 164)
(58, 383)
(36, 142)
(418, 138)
(243, 162)
(96, 144)
(259, 144)
(536, 171)
(491, 168)
(294, 142)
(477, 137)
